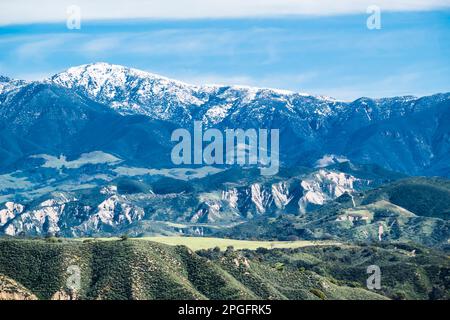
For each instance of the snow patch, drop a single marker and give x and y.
(328, 160)
(95, 157)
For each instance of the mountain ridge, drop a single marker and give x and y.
(59, 78)
(387, 131)
(101, 134)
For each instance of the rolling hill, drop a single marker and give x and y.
(139, 269)
(412, 209)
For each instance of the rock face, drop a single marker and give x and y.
(11, 290)
(10, 212)
(65, 214)
(118, 207)
(63, 295)
(324, 186)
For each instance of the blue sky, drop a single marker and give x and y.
(332, 54)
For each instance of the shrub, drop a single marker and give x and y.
(318, 293)
(279, 266)
(229, 250)
(399, 295)
(52, 240)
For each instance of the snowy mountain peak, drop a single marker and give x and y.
(102, 73)
(128, 90)
(7, 84)
(132, 91)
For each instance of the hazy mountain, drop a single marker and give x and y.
(405, 134)
(87, 152)
(147, 204)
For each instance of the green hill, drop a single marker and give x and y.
(137, 269)
(409, 210)
(428, 197)
(141, 269)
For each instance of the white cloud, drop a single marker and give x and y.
(35, 49)
(27, 11)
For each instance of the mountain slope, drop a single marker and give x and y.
(389, 132)
(405, 134)
(140, 269)
(87, 152)
(46, 119)
(417, 213)
(429, 197)
(137, 204)
(136, 269)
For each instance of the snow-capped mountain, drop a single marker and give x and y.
(132, 91)
(8, 87)
(405, 134)
(65, 139)
(388, 131)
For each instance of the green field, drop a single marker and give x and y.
(204, 243)
(199, 243)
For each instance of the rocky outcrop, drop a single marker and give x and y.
(11, 290)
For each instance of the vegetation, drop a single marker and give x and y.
(428, 197)
(137, 269)
(410, 210)
(198, 243)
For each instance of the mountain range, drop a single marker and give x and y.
(82, 109)
(86, 152)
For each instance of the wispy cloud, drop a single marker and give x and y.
(26, 11)
(97, 45)
(335, 56)
(37, 49)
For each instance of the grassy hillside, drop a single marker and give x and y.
(113, 270)
(427, 197)
(407, 272)
(410, 210)
(137, 269)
